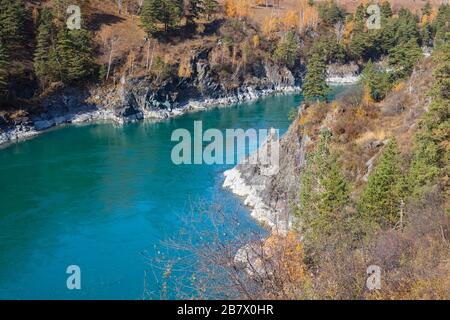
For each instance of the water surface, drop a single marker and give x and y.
(99, 196)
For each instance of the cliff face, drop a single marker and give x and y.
(204, 87)
(270, 197)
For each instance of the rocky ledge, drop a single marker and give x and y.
(269, 191)
(136, 98)
(343, 73)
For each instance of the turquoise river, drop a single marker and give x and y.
(103, 197)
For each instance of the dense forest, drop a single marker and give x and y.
(38, 52)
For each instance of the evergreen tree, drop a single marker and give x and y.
(324, 196)
(81, 65)
(377, 81)
(441, 25)
(431, 157)
(43, 45)
(386, 10)
(3, 71)
(194, 9)
(150, 15)
(380, 202)
(427, 34)
(426, 10)
(315, 85)
(12, 23)
(286, 50)
(360, 16)
(71, 58)
(406, 27)
(210, 7)
(330, 13)
(155, 12)
(404, 57)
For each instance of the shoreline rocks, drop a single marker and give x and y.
(84, 113)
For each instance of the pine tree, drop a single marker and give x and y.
(330, 13)
(71, 58)
(381, 200)
(80, 63)
(426, 10)
(195, 9)
(43, 45)
(377, 81)
(406, 27)
(441, 25)
(3, 70)
(210, 7)
(149, 15)
(286, 50)
(324, 196)
(360, 16)
(404, 57)
(155, 12)
(386, 10)
(315, 85)
(12, 23)
(431, 155)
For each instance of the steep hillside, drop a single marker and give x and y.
(354, 189)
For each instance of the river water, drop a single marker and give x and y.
(102, 197)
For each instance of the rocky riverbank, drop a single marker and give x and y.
(269, 196)
(26, 127)
(137, 98)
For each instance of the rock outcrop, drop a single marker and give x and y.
(270, 195)
(343, 73)
(137, 98)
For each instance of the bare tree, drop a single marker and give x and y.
(112, 42)
(229, 259)
(339, 30)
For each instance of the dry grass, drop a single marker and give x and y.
(369, 136)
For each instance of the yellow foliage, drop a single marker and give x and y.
(367, 97)
(269, 26)
(291, 20)
(334, 105)
(185, 68)
(230, 8)
(256, 41)
(289, 253)
(399, 86)
(360, 113)
(237, 8)
(35, 15)
(348, 29)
